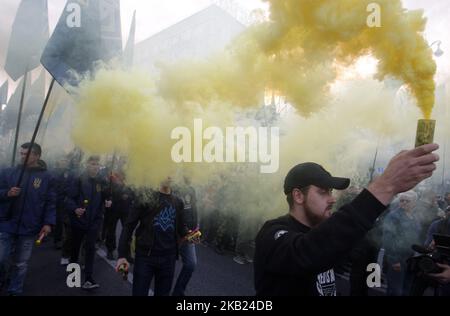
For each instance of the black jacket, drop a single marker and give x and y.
(143, 213)
(92, 190)
(188, 196)
(292, 259)
(122, 198)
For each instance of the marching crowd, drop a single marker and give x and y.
(80, 205)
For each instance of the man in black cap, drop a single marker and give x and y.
(295, 253)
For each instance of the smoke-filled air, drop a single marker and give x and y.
(298, 50)
(300, 53)
(192, 138)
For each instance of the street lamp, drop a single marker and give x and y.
(438, 52)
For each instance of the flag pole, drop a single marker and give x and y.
(22, 171)
(47, 121)
(111, 175)
(19, 117)
(36, 129)
(444, 189)
(372, 170)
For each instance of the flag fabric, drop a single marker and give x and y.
(11, 111)
(128, 53)
(87, 32)
(4, 93)
(58, 99)
(36, 97)
(33, 106)
(29, 36)
(3, 100)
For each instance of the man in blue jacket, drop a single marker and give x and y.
(26, 211)
(85, 207)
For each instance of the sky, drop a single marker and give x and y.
(152, 16)
(155, 15)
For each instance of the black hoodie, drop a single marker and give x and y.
(144, 212)
(292, 259)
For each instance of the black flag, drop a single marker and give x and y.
(4, 93)
(12, 109)
(28, 38)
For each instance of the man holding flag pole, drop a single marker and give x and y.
(86, 33)
(26, 211)
(70, 54)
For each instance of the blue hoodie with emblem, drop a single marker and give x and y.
(92, 190)
(34, 207)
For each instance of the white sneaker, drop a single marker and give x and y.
(90, 284)
(240, 260)
(64, 261)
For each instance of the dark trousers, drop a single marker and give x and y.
(110, 223)
(67, 240)
(361, 256)
(210, 224)
(162, 268)
(399, 282)
(189, 259)
(58, 230)
(89, 237)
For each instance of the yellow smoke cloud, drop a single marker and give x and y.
(297, 53)
(120, 112)
(345, 136)
(340, 27)
(117, 112)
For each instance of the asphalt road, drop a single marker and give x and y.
(216, 275)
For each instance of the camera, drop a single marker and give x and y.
(426, 262)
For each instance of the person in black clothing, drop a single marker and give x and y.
(161, 224)
(295, 253)
(61, 174)
(440, 227)
(187, 249)
(85, 201)
(122, 199)
(63, 235)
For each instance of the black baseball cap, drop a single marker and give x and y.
(310, 173)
